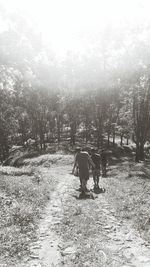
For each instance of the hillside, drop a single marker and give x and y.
(43, 224)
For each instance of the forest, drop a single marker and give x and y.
(97, 96)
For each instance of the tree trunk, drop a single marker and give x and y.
(121, 139)
(108, 139)
(58, 129)
(137, 152)
(72, 133)
(141, 151)
(4, 148)
(98, 140)
(41, 143)
(101, 139)
(86, 135)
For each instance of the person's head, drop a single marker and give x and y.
(78, 149)
(93, 150)
(86, 149)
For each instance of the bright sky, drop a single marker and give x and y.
(61, 22)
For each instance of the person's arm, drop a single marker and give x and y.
(91, 162)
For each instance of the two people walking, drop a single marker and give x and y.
(83, 162)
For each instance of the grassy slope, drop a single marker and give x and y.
(127, 199)
(129, 192)
(23, 194)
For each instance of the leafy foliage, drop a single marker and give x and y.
(98, 95)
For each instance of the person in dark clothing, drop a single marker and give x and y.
(96, 171)
(82, 160)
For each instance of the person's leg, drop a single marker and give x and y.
(97, 180)
(94, 177)
(83, 185)
(80, 181)
(99, 173)
(104, 169)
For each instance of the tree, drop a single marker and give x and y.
(141, 114)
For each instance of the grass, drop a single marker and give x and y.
(129, 192)
(83, 226)
(24, 193)
(22, 198)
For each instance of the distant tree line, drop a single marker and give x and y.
(49, 116)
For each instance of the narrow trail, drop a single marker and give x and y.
(84, 232)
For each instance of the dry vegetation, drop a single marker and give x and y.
(25, 191)
(23, 195)
(89, 226)
(22, 200)
(129, 191)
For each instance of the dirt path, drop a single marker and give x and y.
(84, 232)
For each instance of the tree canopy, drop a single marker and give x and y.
(102, 90)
